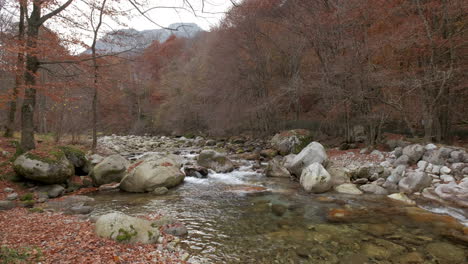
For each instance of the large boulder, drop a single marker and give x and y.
(414, 153)
(152, 173)
(111, 169)
(276, 168)
(414, 182)
(54, 169)
(437, 156)
(215, 161)
(78, 158)
(316, 179)
(127, 229)
(291, 141)
(313, 153)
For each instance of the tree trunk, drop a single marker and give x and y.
(32, 66)
(10, 127)
(428, 127)
(96, 76)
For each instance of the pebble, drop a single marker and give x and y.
(8, 190)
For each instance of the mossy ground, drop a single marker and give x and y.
(22, 255)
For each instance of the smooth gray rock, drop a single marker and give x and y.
(7, 205)
(111, 169)
(402, 160)
(315, 178)
(348, 188)
(313, 153)
(414, 182)
(52, 191)
(12, 196)
(215, 161)
(373, 189)
(126, 229)
(414, 152)
(160, 191)
(44, 171)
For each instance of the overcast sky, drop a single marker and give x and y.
(211, 14)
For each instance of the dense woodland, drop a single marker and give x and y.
(326, 65)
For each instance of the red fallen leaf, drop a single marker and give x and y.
(167, 164)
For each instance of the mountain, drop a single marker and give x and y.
(132, 39)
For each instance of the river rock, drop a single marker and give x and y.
(196, 171)
(398, 152)
(453, 193)
(215, 161)
(126, 229)
(445, 170)
(152, 173)
(177, 229)
(447, 178)
(111, 169)
(288, 142)
(315, 178)
(268, 153)
(401, 197)
(7, 205)
(12, 196)
(456, 156)
(414, 152)
(313, 153)
(52, 191)
(437, 156)
(414, 182)
(397, 174)
(8, 190)
(446, 253)
(373, 189)
(348, 188)
(339, 175)
(402, 160)
(79, 210)
(422, 164)
(276, 168)
(45, 170)
(160, 191)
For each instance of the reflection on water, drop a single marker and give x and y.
(243, 217)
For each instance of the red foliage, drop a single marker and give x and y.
(67, 239)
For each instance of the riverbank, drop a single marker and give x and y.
(234, 214)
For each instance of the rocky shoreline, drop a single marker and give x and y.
(410, 174)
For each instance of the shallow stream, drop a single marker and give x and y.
(244, 217)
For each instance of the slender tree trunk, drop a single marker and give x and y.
(428, 126)
(96, 75)
(10, 127)
(32, 66)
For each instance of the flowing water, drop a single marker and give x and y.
(244, 217)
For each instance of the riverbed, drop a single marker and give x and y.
(245, 217)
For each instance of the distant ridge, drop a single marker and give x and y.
(132, 39)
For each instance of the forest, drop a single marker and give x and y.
(234, 131)
(393, 66)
